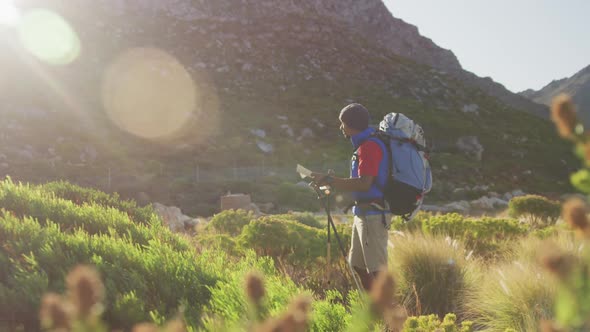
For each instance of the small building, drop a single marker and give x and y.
(235, 202)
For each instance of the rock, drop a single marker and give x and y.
(460, 206)
(266, 207)
(282, 117)
(488, 203)
(171, 216)
(471, 108)
(265, 147)
(470, 145)
(254, 208)
(288, 130)
(258, 133)
(318, 123)
(26, 154)
(434, 208)
(518, 192)
(305, 133)
(480, 187)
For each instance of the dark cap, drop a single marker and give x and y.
(355, 116)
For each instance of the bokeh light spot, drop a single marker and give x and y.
(148, 93)
(9, 14)
(49, 37)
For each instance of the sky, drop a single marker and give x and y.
(521, 44)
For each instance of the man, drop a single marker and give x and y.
(369, 171)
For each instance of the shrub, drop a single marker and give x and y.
(25, 200)
(290, 241)
(432, 274)
(517, 295)
(37, 258)
(307, 218)
(485, 236)
(538, 211)
(80, 195)
(230, 308)
(230, 221)
(221, 242)
(432, 323)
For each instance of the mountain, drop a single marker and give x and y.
(577, 86)
(176, 99)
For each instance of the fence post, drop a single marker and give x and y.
(109, 178)
(235, 171)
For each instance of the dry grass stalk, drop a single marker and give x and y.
(55, 313)
(564, 116)
(255, 288)
(574, 214)
(556, 261)
(85, 290)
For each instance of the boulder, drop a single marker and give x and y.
(471, 146)
(460, 206)
(471, 108)
(488, 203)
(173, 217)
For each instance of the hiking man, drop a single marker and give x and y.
(369, 172)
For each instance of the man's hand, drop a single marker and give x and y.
(319, 178)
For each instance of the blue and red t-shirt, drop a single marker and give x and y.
(369, 160)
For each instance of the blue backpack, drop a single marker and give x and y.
(410, 176)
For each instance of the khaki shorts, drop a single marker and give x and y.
(368, 248)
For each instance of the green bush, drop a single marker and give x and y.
(25, 200)
(230, 221)
(485, 236)
(307, 218)
(538, 211)
(154, 278)
(432, 323)
(222, 242)
(229, 309)
(432, 274)
(80, 195)
(290, 241)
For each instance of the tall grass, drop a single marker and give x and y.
(514, 295)
(433, 274)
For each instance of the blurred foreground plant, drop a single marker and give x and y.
(572, 305)
(81, 307)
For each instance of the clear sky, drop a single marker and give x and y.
(519, 43)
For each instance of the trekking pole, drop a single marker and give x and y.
(324, 197)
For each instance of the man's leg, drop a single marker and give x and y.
(356, 256)
(366, 278)
(375, 241)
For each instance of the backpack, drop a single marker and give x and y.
(410, 176)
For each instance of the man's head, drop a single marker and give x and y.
(354, 118)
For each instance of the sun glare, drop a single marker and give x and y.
(9, 13)
(49, 37)
(148, 93)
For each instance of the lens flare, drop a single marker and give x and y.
(49, 37)
(147, 92)
(9, 13)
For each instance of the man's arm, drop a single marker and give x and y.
(362, 183)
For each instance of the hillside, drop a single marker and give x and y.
(270, 79)
(577, 86)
